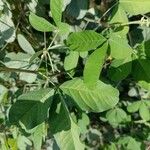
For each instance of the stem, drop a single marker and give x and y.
(53, 39)
(6, 69)
(130, 23)
(45, 40)
(143, 122)
(3, 47)
(108, 11)
(50, 59)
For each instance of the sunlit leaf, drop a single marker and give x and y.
(99, 99)
(84, 41)
(94, 66)
(71, 60)
(40, 24)
(56, 7)
(24, 44)
(135, 7)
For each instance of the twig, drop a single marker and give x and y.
(6, 69)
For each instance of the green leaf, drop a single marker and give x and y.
(69, 140)
(3, 93)
(84, 54)
(129, 143)
(77, 8)
(57, 112)
(144, 112)
(40, 24)
(83, 123)
(147, 48)
(65, 3)
(19, 60)
(84, 41)
(120, 17)
(25, 45)
(12, 143)
(65, 131)
(31, 108)
(145, 85)
(35, 55)
(56, 7)
(120, 49)
(116, 116)
(23, 142)
(111, 147)
(134, 106)
(147, 102)
(94, 66)
(63, 28)
(71, 60)
(135, 7)
(99, 99)
(120, 69)
(40, 95)
(29, 77)
(38, 135)
(141, 69)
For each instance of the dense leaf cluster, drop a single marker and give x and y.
(75, 74)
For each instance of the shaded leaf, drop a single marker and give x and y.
(31, 108)
(120, 69)
(141, 69)
(35, 55)
(77, 8)
(65, 131)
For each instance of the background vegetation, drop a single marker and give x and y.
(74, 74)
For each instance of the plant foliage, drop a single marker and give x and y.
(74, 74)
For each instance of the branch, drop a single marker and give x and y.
(6, 69)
